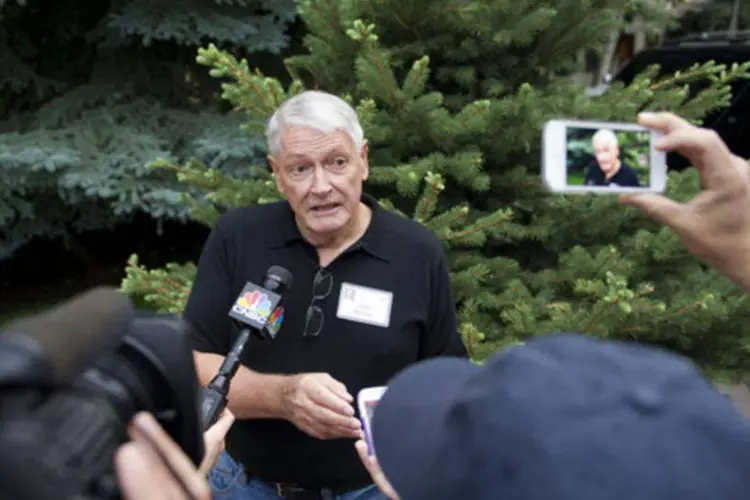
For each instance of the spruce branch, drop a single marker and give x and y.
(428, 201)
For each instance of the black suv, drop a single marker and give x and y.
(731, 123)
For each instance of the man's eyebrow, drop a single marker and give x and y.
(296, 156)
(336, 151)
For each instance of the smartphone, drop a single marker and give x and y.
(580, 157)
(367, 400)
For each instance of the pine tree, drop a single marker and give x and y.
(91, 93)
(452, 96)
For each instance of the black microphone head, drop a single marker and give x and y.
(278, 279)
(256, 304)
(70, 337)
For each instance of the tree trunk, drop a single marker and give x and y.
(735, 19)
(639, 35)
(605, 64)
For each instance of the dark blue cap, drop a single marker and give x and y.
(564, 417)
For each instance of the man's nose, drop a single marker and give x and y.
(320, 182)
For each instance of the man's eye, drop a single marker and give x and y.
(298, 170)
(340, 162)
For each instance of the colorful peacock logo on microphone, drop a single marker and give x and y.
(254, 306)
(274, 321)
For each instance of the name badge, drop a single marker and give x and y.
(365, 305)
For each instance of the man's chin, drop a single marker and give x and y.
(326, 225)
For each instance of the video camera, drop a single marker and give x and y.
(72, 378)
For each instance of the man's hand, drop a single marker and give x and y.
(143, 474)
(320, 406)
(715, 224)
(214, 439)
(376, 473)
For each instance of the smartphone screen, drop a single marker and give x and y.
(602, 157)
(367, 401)
(606, 157)
(369, 409)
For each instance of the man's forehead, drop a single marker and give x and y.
(601, 142)
(305, 145)
(300, 134)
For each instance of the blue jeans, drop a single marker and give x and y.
(229, 482)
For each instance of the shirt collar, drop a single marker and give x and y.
(375, 241)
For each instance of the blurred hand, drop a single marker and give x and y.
(214, 439)
(372, 466)
(320, 406)
(715, 224)
(143, 474)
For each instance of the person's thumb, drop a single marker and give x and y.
(219, 430)
(659, 208)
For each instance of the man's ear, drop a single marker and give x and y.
(364, 157)
(275, 169)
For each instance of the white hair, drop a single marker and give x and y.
(605, 135)
(319, 110)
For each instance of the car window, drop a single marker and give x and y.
(671, 61)
(733, 122)
(679, 60)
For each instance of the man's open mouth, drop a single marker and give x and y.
(325, 208)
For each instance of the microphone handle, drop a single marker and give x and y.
(213, 403)
(214, 396)
(232, 362)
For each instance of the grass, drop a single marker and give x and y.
(576, 178)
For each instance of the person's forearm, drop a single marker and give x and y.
(251, 394)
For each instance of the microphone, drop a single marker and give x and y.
(54, 347)
(252, 310)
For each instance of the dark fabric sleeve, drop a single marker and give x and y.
(590, 178)
(442, 337)
(211, 297)
(634, 181)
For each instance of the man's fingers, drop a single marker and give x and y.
(338, 388)
(664, 122)
(214, 439)
(137, 473)
(364, 455)
(146, 430)
(326, 417)
(142, 475)
(323, 430)
(659, 208)
(324, 396)
(219, 430)
(702, 147)
(374, 469)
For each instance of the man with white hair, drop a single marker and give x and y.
(371, 296)
(609, 169)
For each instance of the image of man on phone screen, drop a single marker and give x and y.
(608, 169)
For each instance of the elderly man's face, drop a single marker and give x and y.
(321, 175)
(607, 155)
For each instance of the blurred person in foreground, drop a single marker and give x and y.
(566, 417)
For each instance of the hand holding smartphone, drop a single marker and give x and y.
(367, 400)
(598, 157)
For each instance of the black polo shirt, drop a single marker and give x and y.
(395, 255)
(625, 177)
